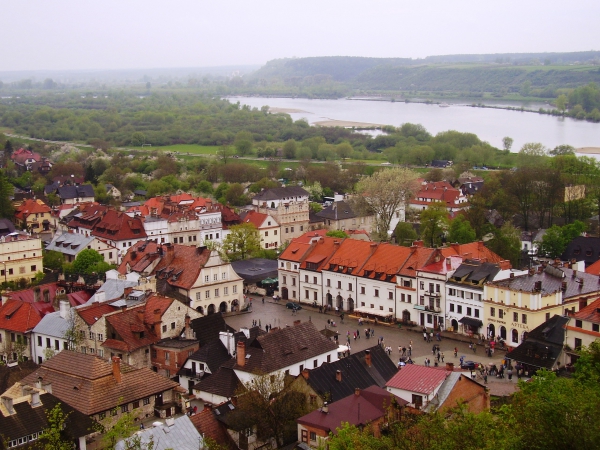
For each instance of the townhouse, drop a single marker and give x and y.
(439, 191)
(584, 326)
(267, 226)
(20, 256)
(71, 244)
(288, 206)
(340, 216)
(515, 306)
(33, 215)
(197, 276)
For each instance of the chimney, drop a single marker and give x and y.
(305, 373)
(297, 322)
(512, 275)
(116, 368)
(99, 297)
(133, 255)
(455, 247)
(418, 243)
(35, 398)
(338, 375)
(325, 408)
(368, 357)
(505, 264)
(357, 391)
(450, 366)
(241, 354)
(157, 322)
(64, 309)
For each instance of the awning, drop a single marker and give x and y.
(471, 322)
(375, 312)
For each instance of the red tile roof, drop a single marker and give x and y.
(91, 314)
(387, 260)
(89, 215)
(29, 296)
(22, 155)
(352, 254)
(256, 218)
(296, 251)
(594, 269)
(591, 313)
(473, 250)
(19, 316)
(444, 266)
(179, 264)
(207, 424)
(416, 378)
(31, 206)
(320, 252)
(118, 226)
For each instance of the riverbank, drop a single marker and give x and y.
(348, 124)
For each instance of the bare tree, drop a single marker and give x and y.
(385, 192)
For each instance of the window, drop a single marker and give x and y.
(596, 327)
(172, 325)
(301, 367)
(524, 318)
(578, 343)
(315, 363)
(167, 357)
(501, 313)
(459, 309)
(362, 289)
(225, 291)
(136, 404)
(83, 349)
(547, 316)
(216, 292)
(234, 289)
(124, 408)
(515, 336)
(339, 284)
(451, 291)
(33, 268)
(206, 294)
(313, 436)
(422, 284)
(492, 312)
(451, 307)
(215, 277)
(349, 286)
(292, 229)
(380, 308)
(10, 271)
(92, 335)
(314, 280)
(328, 283)
(376, 292)
(329, 356)
(315, 296)
(164, 328)
(56, 344)
(409, 298)
(301, 227)
(469, 311)
(417, 400)
(206, 278)
(47, 342)
(390, 295)
(100, 337)
(146, 401)
(224, 276)
(39, 341)
(275, 232)
(293, 281)
(198, 295)
(515, 317)
(306, 294)
(476, 313)
(101, 352)
(266, 233)
(306, 278)
(286, 230)
(579, 324)
(284, 280)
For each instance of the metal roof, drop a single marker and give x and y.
(52, 325)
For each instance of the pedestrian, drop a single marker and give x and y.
(358, 334)
(373, 332)
(195, 409)
(403, 351)
(509, 372)
(431, 335)
(425, 335)
(410, 350)
(410, 343)
(355, 336)
(400, 350)
(485, 377)
(442, 356)
(263, 300)
(438, 357)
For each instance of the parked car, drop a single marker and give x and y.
(469, 365)
(292, 305)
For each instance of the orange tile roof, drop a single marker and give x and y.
(255, 218)
(320, 252)
(353, 253)
(30, 206)
(594, 269)
(387, 260)
(591, 313)
(473, 250)
(296, 251)
(19, 316)
(91, 314)
(118, 226)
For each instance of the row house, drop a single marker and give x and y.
(584, 326)
(198, 276)
(119, 230)
(33, 215)
(20, 256)
(289, 207)
(515, 306)
(340, 216)
(385, 280)
(17, 321)
(73, 195)
(83, 219)
(439, 191)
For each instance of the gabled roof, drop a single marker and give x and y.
(118, 226)
(473, 250)
(419, 257)
(351, 255)
(259, 219)
(385, 263)
(355, 373)
(280, 193)
(71, 192)
(212, 354)
(70, 243)
(53, 325)
(296, 251)
(372, 402)
(29, 207)
(475, 272)
(21, 155)
(51, 290)
(591, 313)
(28, 419)
(86, 216)
(319, 253)
(420, 379)
(285, 347)
(180, 434)
(92, 313)
(543, 344)
(224, 383)
(178, 264)
(208, 425)
(583, 249)
(207, 328)
(86, 382)
(6, 227)
(19, 316)
(339, 210)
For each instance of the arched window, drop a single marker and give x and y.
(515, 336)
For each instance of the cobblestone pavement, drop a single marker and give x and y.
(277, 315)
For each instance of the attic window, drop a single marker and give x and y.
(231, 407)
(248, 356)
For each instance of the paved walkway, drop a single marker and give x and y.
(277, 315)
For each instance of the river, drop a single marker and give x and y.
(488, 124)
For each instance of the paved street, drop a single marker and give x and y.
(277, 315)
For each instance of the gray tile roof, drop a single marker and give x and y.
(543, 345)
(70, 192)
(114, 289)
(52, 325)
(70, 243)
(182, 435)
(337, 211)
(281, 193)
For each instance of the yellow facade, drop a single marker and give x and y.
(20, 257)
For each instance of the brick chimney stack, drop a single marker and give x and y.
(157, 322)
(356, 391)
(338, 375)
(305, 374)
(241, 354)
(116, 367)
(368, 357)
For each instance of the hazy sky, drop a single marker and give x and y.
(120, 34)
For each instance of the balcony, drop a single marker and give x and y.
(432, 294)
(421, 307)
(429, 308)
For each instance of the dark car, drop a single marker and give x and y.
(292, 305)
(469, 365)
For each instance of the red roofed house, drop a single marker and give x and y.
(268, 228)
(33, 215)
(86, 218)
(431, 389)
(129, 333)
(197, 276)
(24, 158)
(584, 326)
(119, 230)
(370, 407)
(17, 321)
(439, 191)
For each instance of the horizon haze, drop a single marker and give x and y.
(68, 35)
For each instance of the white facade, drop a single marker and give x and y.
(288, 274)
(339, 290)
(49, 335)
(376, 297)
